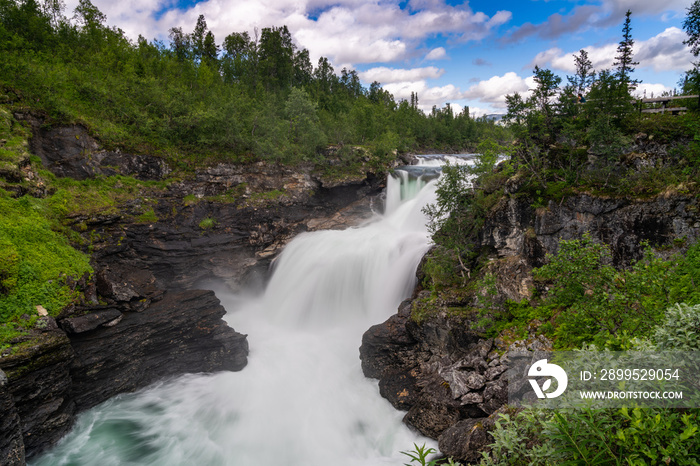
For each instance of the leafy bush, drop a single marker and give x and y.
(625, 436)
(680, 328)
(599, 301)
(684, 281)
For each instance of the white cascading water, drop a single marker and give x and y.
(302, 399)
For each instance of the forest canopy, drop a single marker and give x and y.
(244, 98)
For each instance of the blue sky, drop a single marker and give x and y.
(469, 53)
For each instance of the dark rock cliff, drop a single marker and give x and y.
(92, 353)
(442, 370)
(11, 445)
(142, 319)
(272, 204)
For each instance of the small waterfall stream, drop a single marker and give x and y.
(302, 399)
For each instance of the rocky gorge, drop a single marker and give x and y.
(142, 317)
(442, 369)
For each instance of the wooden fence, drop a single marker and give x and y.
(662, 104)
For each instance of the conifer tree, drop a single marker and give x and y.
(585, 74)
(623, 61)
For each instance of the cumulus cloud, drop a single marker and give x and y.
(427, 96)
(436, 54)
(648, 90)
(476, 112)
(134, 17)
(604, 14)
(345, 31)
(391, 75)
(493, 91)
(663, 52)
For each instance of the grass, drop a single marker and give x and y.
(35, 263)
(207, 223)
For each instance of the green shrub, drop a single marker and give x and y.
(148, 216)
(207, 223)
(684, 281)
(625, 436)
(680, 328)
(599, 301)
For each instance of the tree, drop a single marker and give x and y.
(608, 105)
(53, 9)
(276, 58)
(200, 31)
(585, 74)
(691, 81)
(210, 51)
(238, 57)
(304, 129)
(547, 87)
(624, 61)
(691, 25)
(325, 80)
(303, 69)
(414, 100)
(351, 82)
(89, 15)
(517, 109)
(180, 42)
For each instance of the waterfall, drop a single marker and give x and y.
(302, 399)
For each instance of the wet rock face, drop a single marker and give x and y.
(70, 151)
(40, 383)
(245, 234)
(95, 352)
(450, 380)
(515, 229)
(441, 373)
(11, 444)
(183, 332)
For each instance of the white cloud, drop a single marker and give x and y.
(436, 54)
(663, 52)
(345, 31)
(605, 14)
(649, 90)
(427, 96)
(476, 112)
(391, 75)
(493, 91)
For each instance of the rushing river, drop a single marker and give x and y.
(302, 399)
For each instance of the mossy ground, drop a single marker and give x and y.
(40, 260)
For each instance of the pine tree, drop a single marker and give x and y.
(624, 61)
(210, 51)
(200, 32)
(180, 43)
(585, 74)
